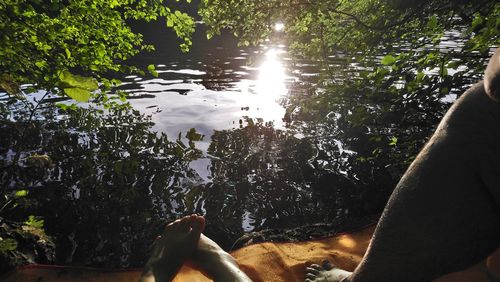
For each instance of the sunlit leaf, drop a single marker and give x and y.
(68, 53)
(79, 94)
(21, 193)
(152, 70)
(62, 106)
(388, 60)
(170, 22)
(41, 64)
(69, 80)
(35, 221)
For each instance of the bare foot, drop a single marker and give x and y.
(177, 243)
(216, 263)
(325, 273)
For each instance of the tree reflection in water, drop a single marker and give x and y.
(113, 183)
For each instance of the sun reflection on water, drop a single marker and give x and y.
(261, 95)
(279, 26)
(270, 84)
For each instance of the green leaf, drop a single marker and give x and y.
(393, 141)
(443, 71)
(69, 80)
(432, 23)
(170, 22)
(62, 106)
(21, 193)
(453, 64)
(35, 221)
(122, 96)
(477, 21)
(151, 69)
(388, 60)
(420, 76)
(7, 245)
(79, 94)
(41, 64)
(68, 53)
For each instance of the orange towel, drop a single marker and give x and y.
(262, 262)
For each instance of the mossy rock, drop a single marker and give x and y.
(21, 244)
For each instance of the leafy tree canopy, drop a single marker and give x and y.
(316, 27)
(46, 43)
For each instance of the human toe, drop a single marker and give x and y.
(181, 225)
(311, 276)
(316, 266)
(312, 270)
(198, 223)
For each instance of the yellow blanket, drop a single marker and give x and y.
(262, 262)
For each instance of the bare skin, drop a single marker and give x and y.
(172, 248)
(216, 263)
(492, 77)
(443, 215)
(182, 242)
(325, 273)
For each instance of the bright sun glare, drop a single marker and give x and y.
(279, 26)
(262, 95)
(270, 84)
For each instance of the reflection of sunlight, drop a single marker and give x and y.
(270, 84)
(279, 26)
(261, 97)
(347, 241)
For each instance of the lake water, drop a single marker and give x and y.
(223, 88)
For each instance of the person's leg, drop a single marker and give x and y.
(176, 244)
(182, 242)
(216, 263)
(444, 214)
